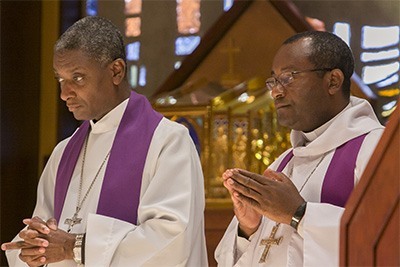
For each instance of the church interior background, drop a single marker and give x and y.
(222, 100)
(224, 103)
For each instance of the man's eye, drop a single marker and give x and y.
(60, 80)
(78, 78)
(285, 79)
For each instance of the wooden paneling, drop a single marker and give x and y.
(216, 222)
(370, 224)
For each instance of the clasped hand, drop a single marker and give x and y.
(42, 242)
(272, 195)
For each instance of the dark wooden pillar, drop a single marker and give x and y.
(20, 94)
(21, 32)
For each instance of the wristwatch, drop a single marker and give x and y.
(77, 250)
(298, 215)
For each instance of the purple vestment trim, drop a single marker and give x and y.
(339, 177)
(66, 167)
(120, 192)
(285, 161)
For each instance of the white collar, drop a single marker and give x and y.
(111, 120)
(355, 119)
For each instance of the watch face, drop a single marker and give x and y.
(77, 255)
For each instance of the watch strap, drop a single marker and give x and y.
(77, 250)
(298, 215)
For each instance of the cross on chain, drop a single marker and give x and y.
(269, 242)
(72, 221)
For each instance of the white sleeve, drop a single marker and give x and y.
(225, 253)
(170, 230)
(234, 250)
(320, 231)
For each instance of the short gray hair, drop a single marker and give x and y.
(98, 37)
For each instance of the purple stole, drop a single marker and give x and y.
(339, 177)
(120, 191)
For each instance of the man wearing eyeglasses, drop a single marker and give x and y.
(290, 215)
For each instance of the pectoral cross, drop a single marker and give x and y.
(269, 242)
(72, 221)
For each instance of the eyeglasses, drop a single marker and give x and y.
(286, 78)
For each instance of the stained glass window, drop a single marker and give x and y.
(91, 7)
(142, 76)
(343, 31)
(381, 55)
(188, 24)
(133, 31)
(380, 66)
(227, 4)
(133, 7)
(379, 73)
(138, 34)
(132, 27)
(186, 44)
(188, 16)
(133, 74)
(133, 51)
(379, 37)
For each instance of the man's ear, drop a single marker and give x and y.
(335, 82)
(118, 68)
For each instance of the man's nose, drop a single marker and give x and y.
(67, 90)
(277, 91)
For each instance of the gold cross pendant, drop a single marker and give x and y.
(269, 242)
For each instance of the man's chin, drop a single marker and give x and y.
(282, 118)
(80, 117)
